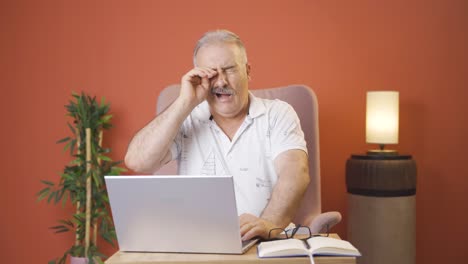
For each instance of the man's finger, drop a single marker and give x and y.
(197, 72)
(245, 228)
(254, 232)
(205, 83)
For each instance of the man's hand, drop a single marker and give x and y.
(195, 85)
(150, 147)
(252, 226)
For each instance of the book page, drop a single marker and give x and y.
(331, 246)
(279, 248)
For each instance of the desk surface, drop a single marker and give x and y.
(249, 257)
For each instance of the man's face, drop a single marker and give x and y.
(229, 97)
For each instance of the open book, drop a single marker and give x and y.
(326, 246)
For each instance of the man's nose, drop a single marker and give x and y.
(220, 79)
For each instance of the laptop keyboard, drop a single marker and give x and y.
(249, 243)
(245, 243)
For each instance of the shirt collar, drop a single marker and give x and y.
(256, 109)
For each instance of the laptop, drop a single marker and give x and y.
(176, 213)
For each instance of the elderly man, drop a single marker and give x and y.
(217, 127)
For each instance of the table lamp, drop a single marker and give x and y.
(382, 120)
(381, 187)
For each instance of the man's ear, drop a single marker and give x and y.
(247, 68)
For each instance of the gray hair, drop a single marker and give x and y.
(220, 35)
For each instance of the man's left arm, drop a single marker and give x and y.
(293, 178)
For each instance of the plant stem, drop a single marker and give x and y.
(88, 190)
(95, 224)
(78, 142)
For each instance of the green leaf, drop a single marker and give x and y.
(96, 180)
(103, 101)
(51, 196)
(43, 193)
(58, 195)
(64, 200)
(73, 145)
(102, 157)
(67, 146)
(115, 163)
(66, 222)
(62, 231)
(105, 150)
(57, 227)
(109, 237)
(48, 182)
(117, 171)
(80, 217)
(75, 162)
(73, 130)
(63, 140)
(63, 259)
(106, 119)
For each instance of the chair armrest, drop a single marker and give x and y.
(320, 222)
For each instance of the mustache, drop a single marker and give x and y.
(222, 90)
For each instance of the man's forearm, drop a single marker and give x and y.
(293, 171)
(151, 145)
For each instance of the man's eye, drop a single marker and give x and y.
(231, 70)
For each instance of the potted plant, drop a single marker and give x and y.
(82, 181)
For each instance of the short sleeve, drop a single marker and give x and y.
(285, 129)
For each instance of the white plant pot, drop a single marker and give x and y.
(78, 260)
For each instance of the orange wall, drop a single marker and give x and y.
(128, 50)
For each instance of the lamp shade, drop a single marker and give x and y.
(382, 117)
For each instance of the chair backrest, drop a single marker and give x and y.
(304, 102)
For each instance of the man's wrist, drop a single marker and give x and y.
(184, 104)
(277, 221)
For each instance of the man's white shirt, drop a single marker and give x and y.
(270, 128)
